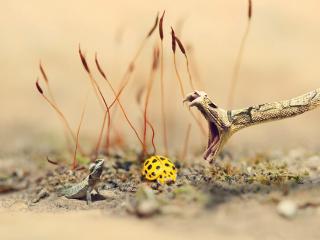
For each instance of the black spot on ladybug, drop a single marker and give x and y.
(167, 164)
(153, 173)
(150, 176)
(145, 171)
(165, 171)
(154, 160)
(149, 167)
(160, 176)
(146, 163)
(173, 167)
(158, 167)
(162, 158)
(171, 173)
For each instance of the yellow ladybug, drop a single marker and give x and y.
(159, 168)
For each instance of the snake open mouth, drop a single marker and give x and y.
(213, 141)
(195, 100)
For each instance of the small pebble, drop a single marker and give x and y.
(154, 186)
(287, 209)
(110, 185)
(109, 194)
(147, 208)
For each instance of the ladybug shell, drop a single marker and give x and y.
(159, 168)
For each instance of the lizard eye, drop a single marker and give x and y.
(159, 168)
(99, 161)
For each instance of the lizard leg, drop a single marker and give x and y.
(97, 190)
(88, 196)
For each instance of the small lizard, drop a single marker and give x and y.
(87, 185)
(224, 123)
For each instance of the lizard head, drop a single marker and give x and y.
(96, 168)
(217, 120)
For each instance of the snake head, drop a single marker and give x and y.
(196, 98)
(217, 121)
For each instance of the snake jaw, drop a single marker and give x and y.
(214, 142)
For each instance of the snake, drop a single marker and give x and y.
(224, 123)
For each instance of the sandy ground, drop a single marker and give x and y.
(235, 220)
(217, 208)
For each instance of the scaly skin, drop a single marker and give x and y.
(224, 123)
(86, 186)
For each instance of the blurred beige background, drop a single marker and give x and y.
(281, 60)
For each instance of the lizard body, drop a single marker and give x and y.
(87, 185)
